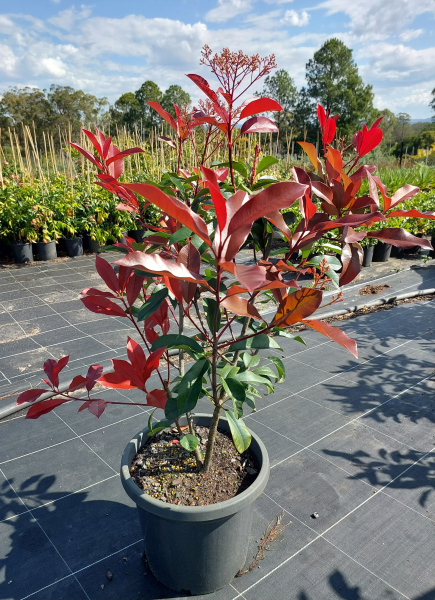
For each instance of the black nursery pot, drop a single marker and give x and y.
(74, 247)
(93, 245)
(196, 549)
(22, 253)
(368, 256)
(47, 251)
(381, 252)
(137, 234)
(397, 252)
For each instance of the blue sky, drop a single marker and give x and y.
(111, 47)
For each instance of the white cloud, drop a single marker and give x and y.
(8, 60)
(67, 18)
(291, 17)
(227, 9)
(410, 34)
(278, 1)
(378, 17)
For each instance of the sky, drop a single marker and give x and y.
(110, 47)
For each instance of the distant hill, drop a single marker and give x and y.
(413, 121)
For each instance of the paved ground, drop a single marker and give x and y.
(351, 440)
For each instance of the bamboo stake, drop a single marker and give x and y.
(13, 151)
(20, 158)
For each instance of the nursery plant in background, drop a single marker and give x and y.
(199, 333)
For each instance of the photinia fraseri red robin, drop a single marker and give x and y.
(184, 289)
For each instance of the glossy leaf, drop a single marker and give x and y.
(107, 274)
(352, 256)
(239, 431)
(157, 398)
(297, 306)
(173, 207)
(102, 306)
(258, 125)
(164, 114)
(149, 307)
(399, 238)
(190, 386)
(175, 340)
(30, 395)
(53, 367)
(154, 263)
(412, 213)
(241, 306)
(258, 342)
(258, 106)
(189, 442)
(310, 151)
(42, 408)
(333, 333)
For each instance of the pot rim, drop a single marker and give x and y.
(194, 513)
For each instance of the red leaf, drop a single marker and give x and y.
(42, 408)
(297, 306)
(152, 362)
(310, 151)
(278, 220)
(240, 306)
(274, 197)
(96, 144)
(321, 115)
(203, 85)
(174, 286)
(351, 220)
(156, 264)
(164, 114)
(151, 335)
(107, 273)
(133, 288)
(95, 292)
(123, 378)
(97, 407)
(333, 333)
(258, 125)
(173, 207)
(351, 257)
(103, 306)
(405, 192)
(116, 168)
(412, 213)
(369, 140)
(216, 196)
(93, 374)
(399, 237)
(270, 285)
(329, 131)
(251, 277)
(258, 106)
(53, 368)
(78, 382)
(221, 174)
(166, 140)
(122, 154)
(136, 355)
(88, 155)
(376, 123)
(157, 398)
(30, 395)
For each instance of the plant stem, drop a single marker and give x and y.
(230, 160)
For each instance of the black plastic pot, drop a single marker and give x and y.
(368, 256)
(122, 239)
(47, 251)
(74, 246)
(22, 253)
(381, 252)
(92, 245)
(397, 252)
(214, 538)
(137, 234)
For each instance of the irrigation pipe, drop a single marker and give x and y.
(13, 408)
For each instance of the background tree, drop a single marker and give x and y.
(148, 92)
(175, 95)
(304, 116)
(69, 107)
(333, 81)
(126, 111)
(432, 104)
(281, 87)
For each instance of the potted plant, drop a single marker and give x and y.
(18, 215)
(194, 476)
(47, 230)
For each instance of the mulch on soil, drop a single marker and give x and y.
(369, 290)
(163, 469)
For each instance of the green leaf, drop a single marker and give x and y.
(284, 333)
(178, 184)
(199, 244)
(239, 431)
(159, 426)
(234, 389)
(189, 442)
(180, 235)
(190, 386)
(279, 367)
(237, 166)
(331, 261)
(171, 409)
(211, 308)
(114, 249)
(258, 342)
(266, 162)
(174, 340)
(254, 379)
(152, 304)
(228, 371)
(335, 277)
(264, 371)
(250, 360)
